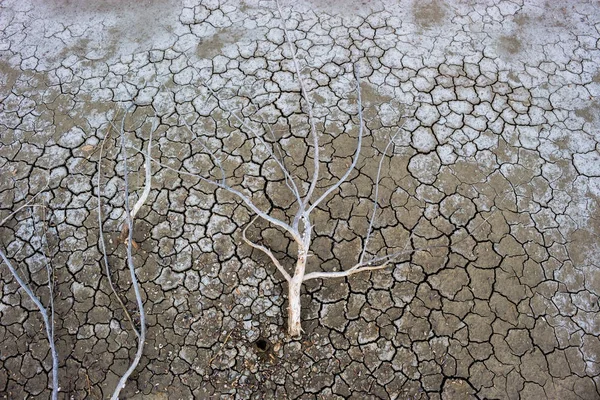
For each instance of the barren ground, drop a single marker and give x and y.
(497, 164)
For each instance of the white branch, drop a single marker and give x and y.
(356, 154)
(376, 199)
(134, 281)
(27, 203)
(103, 244)
(266, 251)
(340, 274)
(148, 184)
(367, 266)
(50, 274)
(48, 321)
(311, 119)
(280, 153)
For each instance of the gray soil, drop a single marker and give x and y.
(494, 175)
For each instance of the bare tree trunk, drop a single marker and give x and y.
(294, 307)
(294, 288)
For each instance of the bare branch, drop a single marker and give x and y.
(28, 203)
(102, 243)
(279, 152)
(311, 119)
(148, 183)
(341, 274)
(48, 322)
(356, 154)
(50, 274)
(134, 281)
(376, 199)
(390, 257)
(266, 251)
(368, 266)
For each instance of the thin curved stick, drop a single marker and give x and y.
(369, 265)
(50, 273)
(492, 213)
(148, 184)
(356, 154)
(376, 199)
(102, 243)
(311, 118)
(27, 203)
(49, 325)
(134, 281)
(266, 251)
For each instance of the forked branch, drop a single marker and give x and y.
(47, 314)
(134, 281)
(102, 242)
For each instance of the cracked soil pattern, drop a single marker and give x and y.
(497, 164)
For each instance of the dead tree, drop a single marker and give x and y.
(300, 228)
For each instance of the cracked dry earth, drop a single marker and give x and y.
(497, 165)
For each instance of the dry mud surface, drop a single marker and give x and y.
(497, 164)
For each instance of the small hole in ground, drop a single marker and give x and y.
(262, 345)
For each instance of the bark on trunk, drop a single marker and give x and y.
(294, 307)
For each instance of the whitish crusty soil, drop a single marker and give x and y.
(497, 164)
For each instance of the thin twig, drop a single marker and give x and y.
(50, 274)
(27, 203)
(356, 154)
(220, 348)
(102, 242)
(147, 187)
(376, 199)
(48, 323)
(311, 120)
(275, 148)
(237, 193)
(266, 251)
(148, 184)
(389, 257)
(249, 128)
(134, 281)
